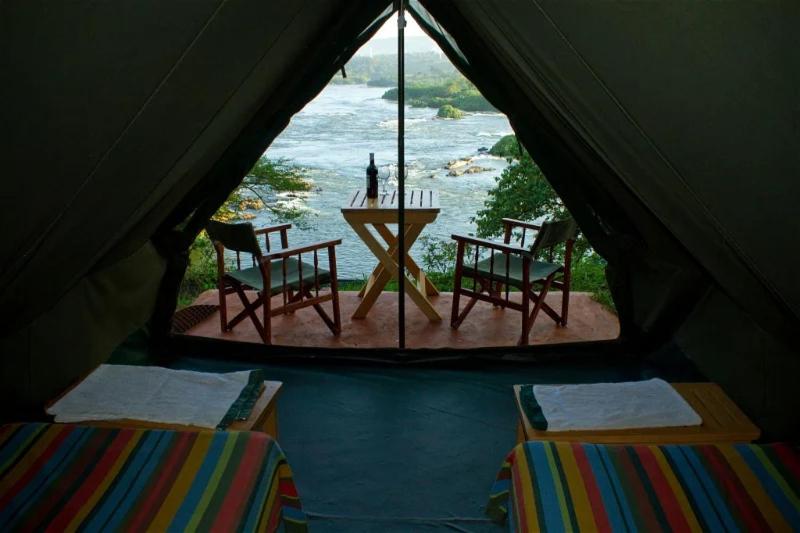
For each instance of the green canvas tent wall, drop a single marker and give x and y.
(670, 130)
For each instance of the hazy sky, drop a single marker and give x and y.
(389, 28)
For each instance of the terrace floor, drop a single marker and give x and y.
(485, 326)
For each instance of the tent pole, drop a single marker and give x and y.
(401, 174)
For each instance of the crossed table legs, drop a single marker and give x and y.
(418, 289)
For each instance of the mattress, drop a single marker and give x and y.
(68, 477)
(546, 486)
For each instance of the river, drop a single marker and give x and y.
(332, 138)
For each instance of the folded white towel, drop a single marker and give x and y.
(152, 394)
(597, 406)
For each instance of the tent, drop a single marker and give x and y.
(669, 129)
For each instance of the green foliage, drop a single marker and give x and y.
(277, 174)
(439, 260)
(381, 70)
(521, 192)
(507, 147)
(448, 111)
(201, 274)
(589, 275)
(456, 92)
(256, 191)
(438, 256)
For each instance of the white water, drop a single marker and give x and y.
(333, 136)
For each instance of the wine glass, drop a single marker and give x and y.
(384, 173)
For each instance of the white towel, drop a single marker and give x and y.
(601, 406)
(152, 394)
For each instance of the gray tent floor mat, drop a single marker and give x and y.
(384, 448)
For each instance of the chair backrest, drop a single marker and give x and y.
(238, 237)
(553, 233)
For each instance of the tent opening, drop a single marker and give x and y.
(466, 174)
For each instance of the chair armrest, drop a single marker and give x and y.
(505, 248)
(520, 224)
(270, 229)
(288, 252)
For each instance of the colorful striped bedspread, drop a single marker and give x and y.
(65, 477)
(545, 486)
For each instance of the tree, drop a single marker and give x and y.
(521, 192)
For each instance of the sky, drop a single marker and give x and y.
(385, 39)
(389, 28)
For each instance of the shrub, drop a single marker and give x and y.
(521, 192)
(448, 111)
(507, 147)
(201, 274)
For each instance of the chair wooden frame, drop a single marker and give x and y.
(490, 289)
(306, 295)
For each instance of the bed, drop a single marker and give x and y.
(67, 477)
(547, 486)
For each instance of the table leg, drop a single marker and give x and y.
(411, 265)
(381, 275)
(520, 432)
(390, 269)
(378, 270)
(270, 426)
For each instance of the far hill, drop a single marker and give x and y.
(381, 70)
(415, 44)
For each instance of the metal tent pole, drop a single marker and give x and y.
(401, 174)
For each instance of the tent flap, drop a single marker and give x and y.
(77, 333)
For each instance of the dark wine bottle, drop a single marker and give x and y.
(372, 177)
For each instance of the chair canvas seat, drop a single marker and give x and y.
(495, 270)
(251, 277)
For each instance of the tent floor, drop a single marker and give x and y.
(485, 326)
(387, 448)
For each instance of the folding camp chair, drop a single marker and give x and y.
(508, 265)
(279, 272)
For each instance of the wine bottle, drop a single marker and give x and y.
(372, 177)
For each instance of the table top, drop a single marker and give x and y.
(723, 421)
(416, 200)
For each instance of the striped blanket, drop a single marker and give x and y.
(65, 477)
(545, 486)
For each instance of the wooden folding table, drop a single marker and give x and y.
(421, 208)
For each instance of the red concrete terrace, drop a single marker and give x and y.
(485, 326)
